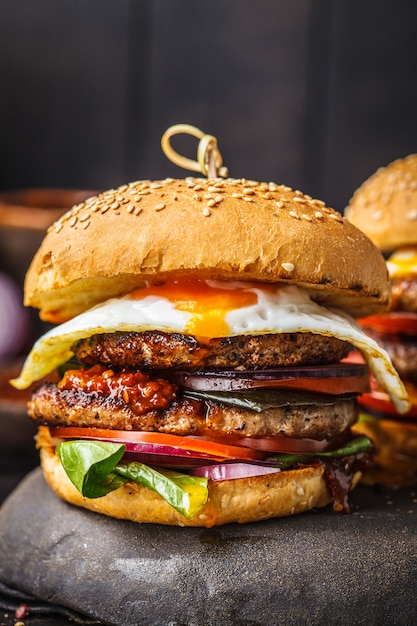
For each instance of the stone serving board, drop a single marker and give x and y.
(315, 568)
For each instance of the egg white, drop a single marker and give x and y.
(282, 310)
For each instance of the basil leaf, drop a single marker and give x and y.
(354, 446)
(187, 494)
(89, 466)
(261, 399)
(93, 467)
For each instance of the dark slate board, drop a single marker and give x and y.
(316, 568)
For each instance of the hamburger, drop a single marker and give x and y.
(197, 357)
(385, 208)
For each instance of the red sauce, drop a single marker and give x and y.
(339, 475)
(135, 389)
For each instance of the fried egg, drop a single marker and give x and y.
(403, 262)
(209, 309)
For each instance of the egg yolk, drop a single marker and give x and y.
(208, 305)
(403, 262)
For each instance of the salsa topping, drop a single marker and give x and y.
(136, 389)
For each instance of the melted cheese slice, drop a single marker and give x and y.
(211, 309)
(403, 262)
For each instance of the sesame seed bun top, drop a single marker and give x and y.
(385, 205)
(222, 229)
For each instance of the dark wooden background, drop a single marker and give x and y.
(315, 93)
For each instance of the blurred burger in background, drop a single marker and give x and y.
(384, 207)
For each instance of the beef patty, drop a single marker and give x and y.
(404, 294)
(160, 350)
(402, 350)
(326, 418)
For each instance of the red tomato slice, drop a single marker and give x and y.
(160, 443)
(379, 402)
(222, 448)
(286, 444)
(394, 322)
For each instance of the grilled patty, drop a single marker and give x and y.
(402, 350)
(163, 350)
(404, 294)
(55, 407)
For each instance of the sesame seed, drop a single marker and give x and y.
(248, 191)
(84, 217)
(279, 204)
(300, 200)
(58, 227)
(336, 217)
(138, 210)
(73, 220)
(247, 198)
(272, 186)
(206, 212)
(306, 217)
(412, 215)
(144, 192)
(237, 195)
(105, 208)
(130, 208)
(160, 206)
(218, 199)
(319, 215)
(294, 214)
(198, 187)
(86, 224)
(266, 196)
(288, 267)
(211, 202)
(196, 196)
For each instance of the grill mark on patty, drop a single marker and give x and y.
(54, 407)
(160, 350)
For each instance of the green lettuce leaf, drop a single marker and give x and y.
(187, 494)
(90, 464)
(354, 446)
(94, 468)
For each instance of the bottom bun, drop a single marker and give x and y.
(395, 456)
(240, 500)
